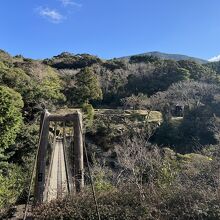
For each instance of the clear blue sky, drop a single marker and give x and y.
(110, 28)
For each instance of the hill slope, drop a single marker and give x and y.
(167, 56)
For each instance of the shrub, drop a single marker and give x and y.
(118, 205)
(89, 114)
(11, 185)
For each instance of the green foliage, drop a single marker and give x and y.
(165, 74)
(169, 185)
(100, 181)
(10, 117)
(143, 58)
(175, 57)
(167, 135)
(178, 187)
(114, 64)
(169, 169)
(5, 57)
(12, 181)
(88, 113)
(87, 87)
(70, 61)
(45, 85)
(198, 128)
(38, 85)
(118, 205)
(25, 145)
(49, 89)
(198, 71)
(15, 78)
(214, 66)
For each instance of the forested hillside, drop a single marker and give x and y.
(169, 167)
(166, 56)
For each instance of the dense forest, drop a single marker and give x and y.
(142, 169)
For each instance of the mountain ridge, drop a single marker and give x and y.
(168, 56)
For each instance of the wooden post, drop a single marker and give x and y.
(41, 160)
(78, 153)
(40, 189)
(59, 175)
(70, 184)
(55, 135)
(51, 164)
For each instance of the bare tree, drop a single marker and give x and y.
(187, 93)
(135, 101)
(137, 159)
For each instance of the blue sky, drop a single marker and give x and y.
(110, 28)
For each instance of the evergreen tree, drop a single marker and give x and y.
(87, 87)
(10, 117)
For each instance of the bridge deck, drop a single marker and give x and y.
(57, 185)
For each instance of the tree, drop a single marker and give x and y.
(135, 102)
(10, 117)
(49, 88)
(12, 180)
(186, 93)
(199, 72)
(157, 78)
(87, 87)
(15, 78)
(200, 127)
